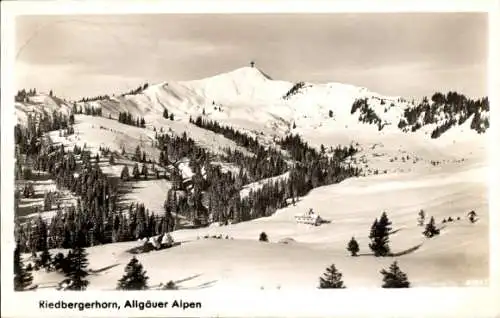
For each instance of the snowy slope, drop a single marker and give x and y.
(457, 256)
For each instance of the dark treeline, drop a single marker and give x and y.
(220, 191)
(449, 105)
(265, 163)
(314, 168)
(174, 148)
(294, 90)
(96, 214)
(28, 139)
(95, 98)
(23, 95)
(239, 138)
(87, 110)
(367, 115)
(136, 91)
(126, 118)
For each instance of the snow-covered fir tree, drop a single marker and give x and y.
(431, 229)
(379, 236)
(135, 277)
(394, 277)
(332, 278)
(77, 265)
(353, 247)
(421, 218)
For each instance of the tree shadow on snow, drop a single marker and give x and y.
(187, 278)
(395, 231)
(97, 271)
(407, 251)
(202, 286)
(395, 254)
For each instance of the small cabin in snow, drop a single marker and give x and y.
(308, 218)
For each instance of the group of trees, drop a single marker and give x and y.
(266, 163)
(74, 266)
(93, 99)
(126, 118)
(314, 168)
(379, 236)
(174, 148)
(87, 110)
(136, 173)
(394, 277)
(366, 113)
(447, 109)
(221, 190)
(167, 116)
(294, 90)
(96, 215)
(22, 96)
(28, 139)
(136, 91)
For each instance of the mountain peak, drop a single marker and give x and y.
(248, 72)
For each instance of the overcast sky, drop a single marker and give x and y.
(411, 54)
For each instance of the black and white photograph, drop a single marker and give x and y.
(248, 152)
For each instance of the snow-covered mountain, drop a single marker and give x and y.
(249, 99)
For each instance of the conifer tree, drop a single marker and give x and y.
(135, 277)
(332, 278)
(138, 154)
(170, 286)
(125, 174)
(41, 235)
(263, 237)
(58, 262)
(47, 202)
(77, 265)
(136, 172)
(45, 258)
(353, 247)
(430, 229)
(144, 171)
(421, 218)
(22, 277)
(394, 277)
(379, 236)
